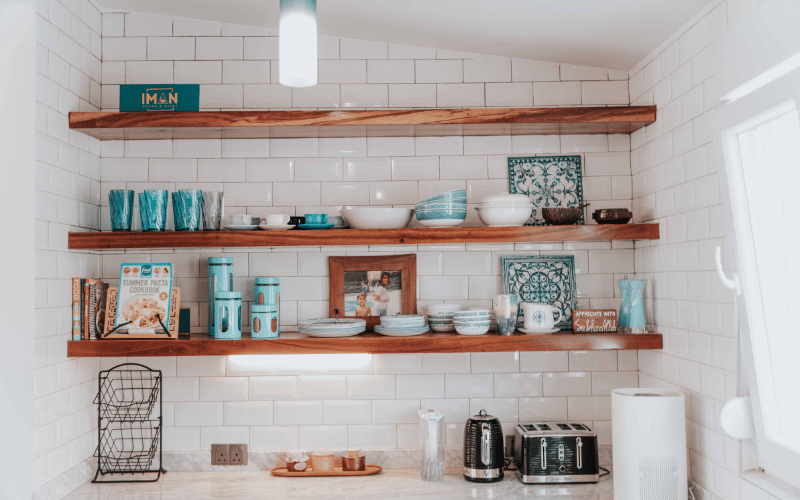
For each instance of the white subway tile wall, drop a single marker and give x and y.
(675, 183)
(280, 402)
(68, 36)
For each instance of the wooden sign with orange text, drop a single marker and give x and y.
(594, 320)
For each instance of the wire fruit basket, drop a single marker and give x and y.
(129, 433)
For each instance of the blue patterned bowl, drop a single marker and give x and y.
(454, 213)
(448, 196)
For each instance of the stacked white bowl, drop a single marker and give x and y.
(440, 317)
(472, 321)
(443, 210)
(505, 210)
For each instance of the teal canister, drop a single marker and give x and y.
(227, 315)
(264, 322)
(268, 292)
(220, 279)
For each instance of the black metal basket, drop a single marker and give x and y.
(129, 436)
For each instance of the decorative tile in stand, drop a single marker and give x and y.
(545, 280)
(549, 181)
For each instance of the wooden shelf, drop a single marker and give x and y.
(369, 123)
(298, 343)
(336, 237)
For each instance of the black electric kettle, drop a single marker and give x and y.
(483, 449)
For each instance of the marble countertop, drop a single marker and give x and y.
(390, 483)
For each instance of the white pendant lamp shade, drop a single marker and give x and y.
(297, 43)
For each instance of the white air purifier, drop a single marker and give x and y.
(649, 438)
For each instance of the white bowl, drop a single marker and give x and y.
(506, 199)
(508, 216)
(440, 222)
(443, 328)
(467, 330)
(377, 217)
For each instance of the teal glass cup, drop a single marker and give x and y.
(153, 209)
(187, 209)
(316, 218)
(120, 203)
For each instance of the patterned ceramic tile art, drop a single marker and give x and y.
(544, 280)
(549, 181)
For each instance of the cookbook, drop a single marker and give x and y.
(143, 299)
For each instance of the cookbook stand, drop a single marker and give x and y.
(128, 434)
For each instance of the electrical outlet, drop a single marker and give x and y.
(220, 454)
(238, 454)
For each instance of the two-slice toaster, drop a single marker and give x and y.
(556, 452)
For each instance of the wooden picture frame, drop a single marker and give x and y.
(402, 268)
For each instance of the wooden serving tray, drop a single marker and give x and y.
(284, 472)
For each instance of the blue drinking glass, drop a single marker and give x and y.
(120, 203)
(186, 207)
(153, 209)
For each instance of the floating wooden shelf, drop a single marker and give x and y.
(370, 123)
(298, 343)
(338, 237)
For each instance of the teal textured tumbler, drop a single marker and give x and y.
(186, 208)
(120, 203)
(153, 209)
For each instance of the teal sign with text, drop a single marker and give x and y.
(167, 97)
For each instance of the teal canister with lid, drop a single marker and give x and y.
(220, 279)
(268, 293)
(264, 322)
(227, 315)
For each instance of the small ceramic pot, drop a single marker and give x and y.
(296, 461)
(322, 461)
(353, 463)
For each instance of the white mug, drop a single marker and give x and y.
(281, 219)
(540, 316)
(244, 220)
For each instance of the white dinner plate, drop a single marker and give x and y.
(539, 332)
(332, 334)
(244, 227)
(277, 227)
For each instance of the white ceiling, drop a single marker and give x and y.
(612, 34)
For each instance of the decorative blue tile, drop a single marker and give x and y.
(543, 280)
(549, 181)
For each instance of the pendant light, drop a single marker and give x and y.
(297, 43)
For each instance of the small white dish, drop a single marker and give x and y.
(443, 328)
(242, 227)
(538, 332)
(276, 227)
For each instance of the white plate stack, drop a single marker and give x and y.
(404, 325)
(332, 327)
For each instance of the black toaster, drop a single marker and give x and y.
(556, 452)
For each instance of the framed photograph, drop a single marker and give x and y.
(371, 287)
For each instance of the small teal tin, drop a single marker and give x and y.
(264, 322)
(268, 292)
(227, 316)
(220, 279)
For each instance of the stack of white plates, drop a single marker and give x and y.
(406, 325)
(332, 327)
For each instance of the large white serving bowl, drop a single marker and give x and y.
(377, 217)
(441, 222)
(505, 216)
